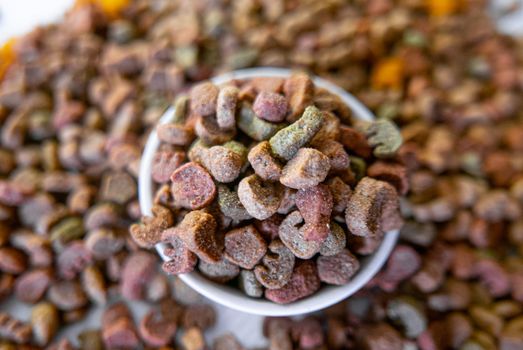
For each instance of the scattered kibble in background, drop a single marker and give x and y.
(80, 97)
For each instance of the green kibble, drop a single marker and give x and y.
(256, 128)
(186, 56)
(408, 313)
(289, 140)
(237, 147)
(90, 340)
(358, 167)
(180, 109)
(67, 230)
(385, 137)
(230, 204)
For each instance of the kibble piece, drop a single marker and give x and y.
(138, 269)
(341, 193)
(244, 246)
(261, 199)
(373, 208)
(32, 285)
(94, 284)
(269, 227)
(182, 259)
(45, 322)
(288, 201)
(286, 142)
(335, 242)
(165, 162)
(293, 237)
(250, 285)
(385, 137)
(227, 341)
(158, 327)
(202, 316)
(73, 259)
(192, 186)
(118, 187)
(12, 329)
(197, 231)
(12, 261)
(227, 104)
(299, 90)
(265, 165)
(337, 269)
(256, 128)
(315, 206)
(210, 133)
(355, 142)
(304, 282)
(67, 295)
(308, 168)
(270, 106)
(308, 333)
(223, 163)
(230, 204)
(276, 267)
(393, 173)
(192, 339)
(203, 98)
(409, 313)
(175, 134)
(330, 129)
(118, 329)
(149, 231)
(339, 159)
(221, 271)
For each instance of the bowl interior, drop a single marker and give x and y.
(232, 297)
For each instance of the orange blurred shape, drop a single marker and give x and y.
(110, 7)
(388, 73)
(442, 8)
(7, 56)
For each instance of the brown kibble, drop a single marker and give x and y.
(118, 330)
(104, 243)
(294, 238)
(12, 261)
(227, 104)
(201, 316)
(244, 247)
(299, 90)
(203, 98)
(158, 327)
(355, 142)
(31, 286)
(165, 162)
(264, 164)
(118, 187)
(339, 159)
(192, 339)
(149, 232)
(337, 269)
(175, 134)
(341, 193)
(198, 232)
(73, 259)
(67, 295)
(94, 284)
(261, 199)
(138, 269)
(227, 341)
(182, 259)
(394, 174)
(192, 186)
(277, 266)
(13, 329)
(373, 208)
(307, 168)
(304, 282)
(45, 322)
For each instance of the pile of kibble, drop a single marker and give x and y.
(78, 99)
(280, 152)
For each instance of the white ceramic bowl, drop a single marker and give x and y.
(232, 297)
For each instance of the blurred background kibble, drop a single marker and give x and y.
(79, 97)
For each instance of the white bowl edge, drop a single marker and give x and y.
(231, 297)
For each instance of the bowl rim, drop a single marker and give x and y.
(232, 297)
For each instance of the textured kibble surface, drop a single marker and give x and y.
(78, 99)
